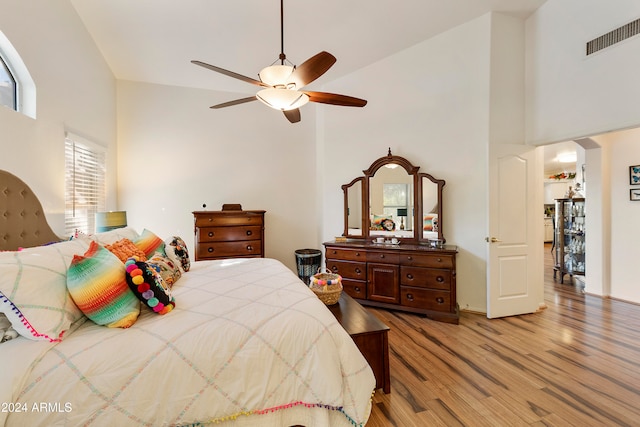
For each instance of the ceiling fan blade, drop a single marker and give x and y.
(234, 102)
(230, 73)
(292, 115)
(335, 99)
(312, 68)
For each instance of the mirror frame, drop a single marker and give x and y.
(418, 179)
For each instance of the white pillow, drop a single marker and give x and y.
(33, 289)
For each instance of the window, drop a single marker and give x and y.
(8, 86)
(85, 171)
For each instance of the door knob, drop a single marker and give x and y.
(492, 240)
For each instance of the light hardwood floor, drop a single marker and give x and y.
(577, 363)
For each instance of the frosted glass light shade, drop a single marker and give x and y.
(282, 99)
(276, 75)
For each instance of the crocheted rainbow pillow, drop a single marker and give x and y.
(147, 284)
(149, 243)
(97, 284)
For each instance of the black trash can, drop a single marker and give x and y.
(308, 262)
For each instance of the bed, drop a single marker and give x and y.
(246, 343)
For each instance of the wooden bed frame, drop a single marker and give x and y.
(22, 220)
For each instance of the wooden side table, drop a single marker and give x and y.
(369, 334)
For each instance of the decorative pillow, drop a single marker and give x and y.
(428, 222)
(149, 286)
(149, 243)
(6, 330)
(111, 236)
(124, 249)
(33, 290)
(177, 252)
(167, 269)
(376, 222)
(98, 286)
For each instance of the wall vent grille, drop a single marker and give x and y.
(612, 37)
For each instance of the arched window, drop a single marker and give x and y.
(8, 86)
(17, 89)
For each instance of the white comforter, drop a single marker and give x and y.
(247, 344)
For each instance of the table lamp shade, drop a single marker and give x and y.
(106, 221)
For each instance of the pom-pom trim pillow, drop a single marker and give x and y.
(147, 284)
(98, 286)
(33, 290)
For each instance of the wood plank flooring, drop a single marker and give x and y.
(577, 363)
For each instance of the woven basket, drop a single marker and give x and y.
(327, 287)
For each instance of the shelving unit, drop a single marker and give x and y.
(570, 238)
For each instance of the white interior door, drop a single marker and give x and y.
(515, 241)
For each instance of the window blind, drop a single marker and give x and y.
(85, 194)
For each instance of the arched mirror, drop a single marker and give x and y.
(392, 202)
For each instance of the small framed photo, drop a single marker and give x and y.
(634, 194)
(634, 175)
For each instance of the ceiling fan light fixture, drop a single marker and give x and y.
(276, 75)
(282, 99)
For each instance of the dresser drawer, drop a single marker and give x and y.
(222, 220)
(427, 260)
(346, 254)
(229, 249)
(383, 257)
(425, 298)
(355, 288)
(432, 278)
(348, 270)
(223, 234)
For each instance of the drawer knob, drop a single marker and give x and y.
(358, 271)
(357, 253)
(209, 250)
(410, 297)
(335, 252)
(409, 258)
(357, 289)
(249, 233)
(249, 247)
(381, 255)
(209, 219)
(210, 234)
(334, 269)
(440, 300)
(439, 259)
(439, 279)
(410, 276)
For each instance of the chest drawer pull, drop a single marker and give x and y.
(439, 259)
(357, 253)
(249, 247)
(249, 233)
(409, 257)
(334, 269)
(410, 276)
(210, 234)
(357, 270)
(357, 288)
(439, 279)
(410, 297)
(209, 249)
(440, 300)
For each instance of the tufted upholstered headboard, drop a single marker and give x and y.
(22, 220)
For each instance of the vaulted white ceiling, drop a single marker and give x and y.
(155, 40)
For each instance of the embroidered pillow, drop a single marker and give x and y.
(177, 252)
(147, 284)
(33, 290)
(378, 220)
(149, 243)
(97, 284)
(124, 249)
(167, 269)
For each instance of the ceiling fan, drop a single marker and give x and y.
(282, 83)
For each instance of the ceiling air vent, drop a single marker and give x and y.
(612, 37)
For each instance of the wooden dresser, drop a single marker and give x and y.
(229, 233)
(408, 277)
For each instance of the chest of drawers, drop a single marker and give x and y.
(228, 234)
(412, 278)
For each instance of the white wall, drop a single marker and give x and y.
(430, 104)
(570, 95)
(75, 91)
(176, 154)
(625, 230)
